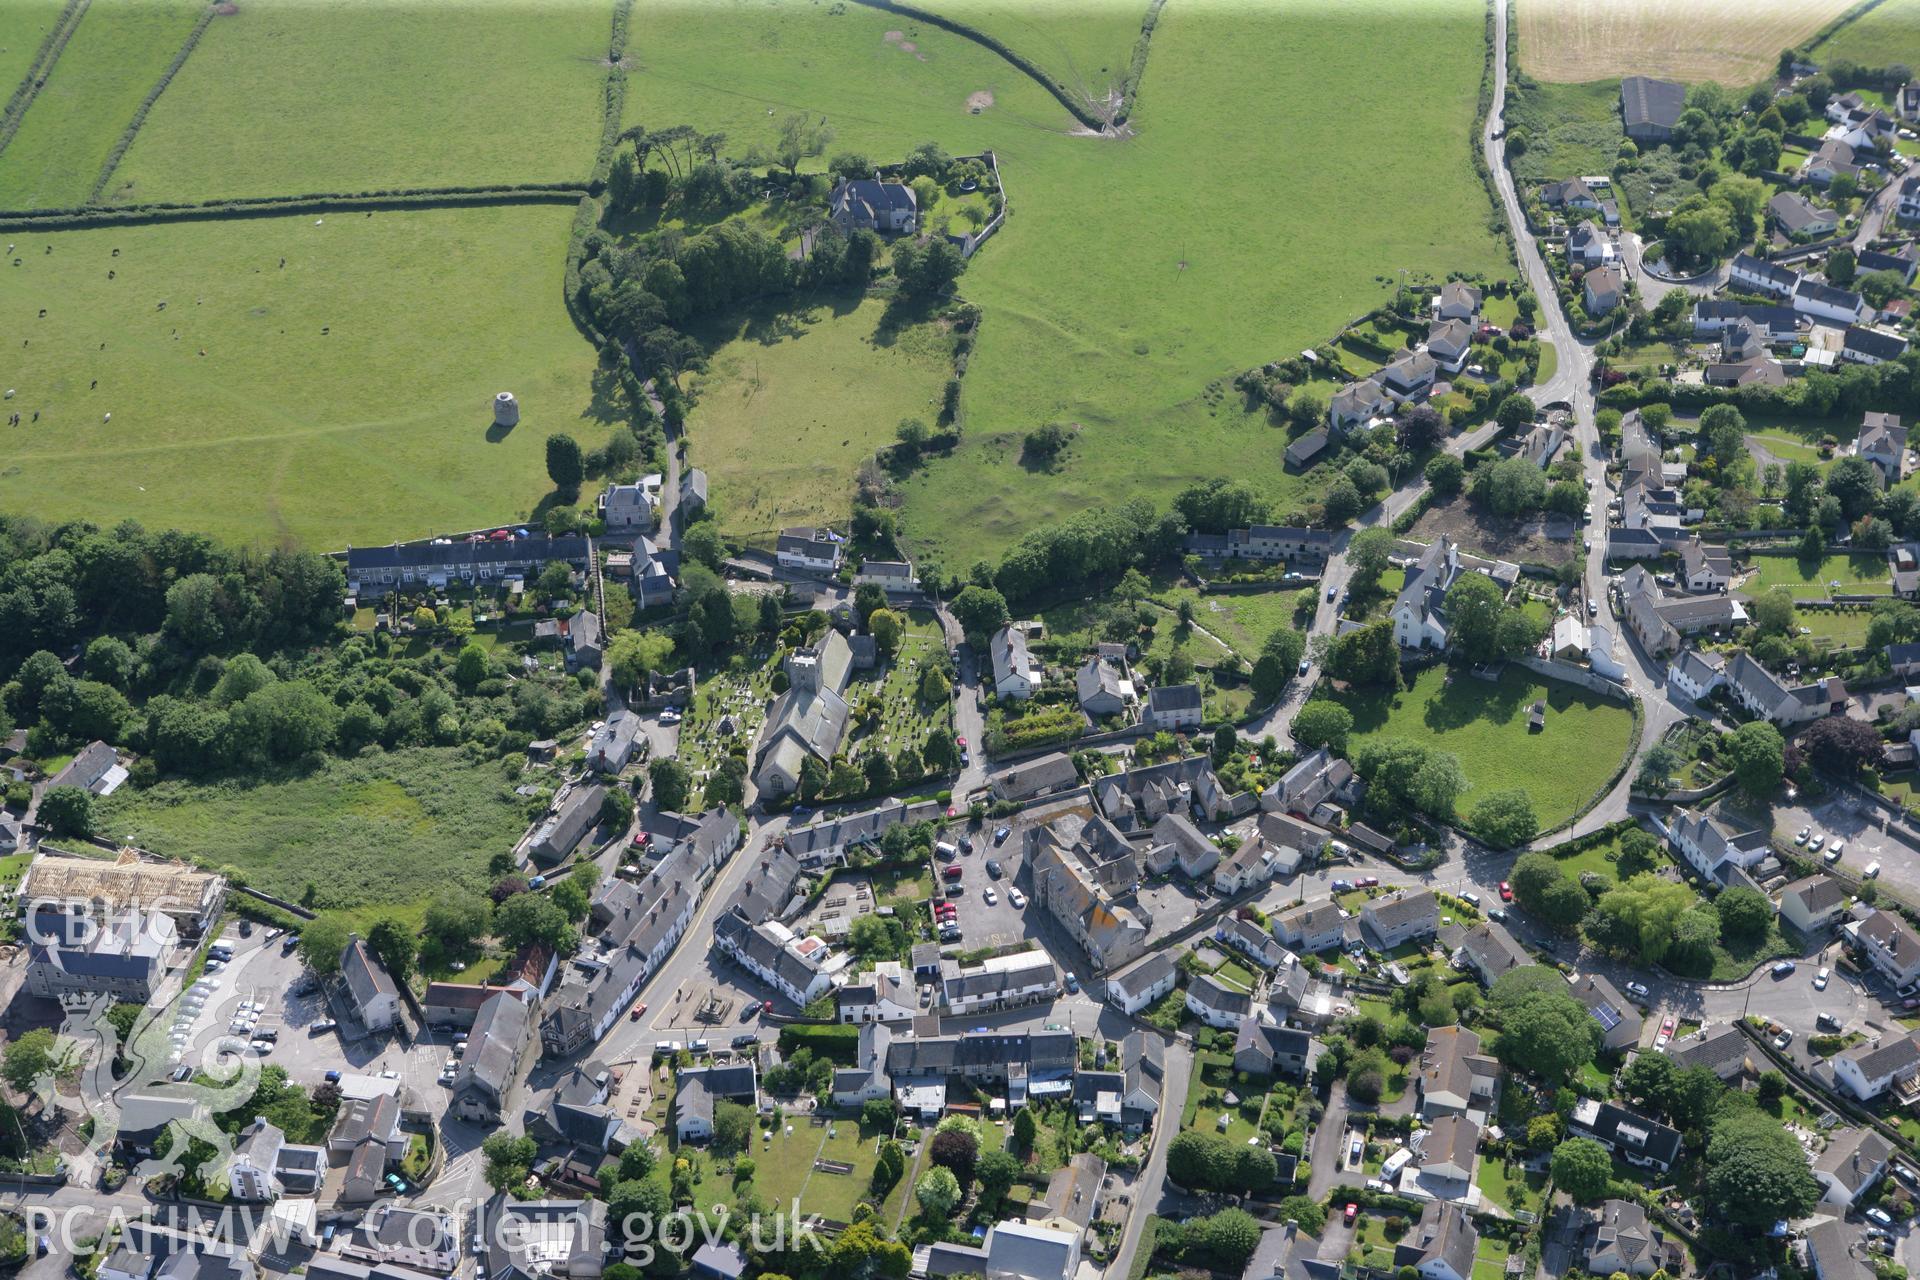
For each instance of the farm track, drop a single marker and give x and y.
(41, 70)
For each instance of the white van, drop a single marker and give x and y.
(1872, 870)
(947, 851)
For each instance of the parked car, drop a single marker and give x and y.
(1073, 982)
(1801, 836)
(1871, 870)
(1366, 882)
(990, 896)
(1016, 897)
(1506, 892)
(1306, 664)
(1820, 979)
(1471, 899)
(324, 1025)
(1834, 850)
(1784, 1039)
(1667, 1028)
(1001, 833)
(1879, 1215)
(639, 1011)
(993, 868)
(1342, 886)
(1827, 1022)
(745, 1039)
(1782, 969)
(1638, 989)
(1819, 838)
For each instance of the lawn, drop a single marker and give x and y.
(1085, 47)
(1102, 296)
(1518, 1190)
(1856, 574)
(795, 401)
(1841, 628)
(1887, 33)
(1490, 1259)
(292, 96)
(1732, 41)
(1243, 619)
(113, 58)
(1485, 725)
(390, 828)
(1789, 448)
(1601, 859)
(343, 398)
(783, 1167)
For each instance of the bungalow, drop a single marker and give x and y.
(1449, 342)
(1144, 984)
(1040, 776)
(1723, 1050)
(1813, 905)
(1490, 951)
(1890, 944)
(1262, 1048)
(1761, 276)
(1410, 377)
(1764, 694)
(1357, 404)
(1650, 109)
(1697, 674)
(1311, 927)
(1302, 451)
(1215, 1003)
(1774, 324)
(1641, 1142)
(1795, 215)
(806, 549)
(1759, 371)
(1400, 917)
(1869, 1070)
(96, 769)
(1454, 1077)
(1603, 289)
(1862, 345)
(1824, 302)
(1441, 1246)
(1101, 689)
(1574, 193)
(1589, 246)
(1014, 673)
(1707, 844)
(1834, 159)
(1620, 1239)
(869, 205)
(1705, 568)
(1175, 707)
(1849, 1165)
(1458, 301)
(1620, 1023)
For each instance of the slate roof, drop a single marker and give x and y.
(1143, 976)
(1444, 1234)
(1174, 697)
(365, 978)
(1853, 1157)
(1646, 101)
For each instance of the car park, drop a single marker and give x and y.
(1000, 834)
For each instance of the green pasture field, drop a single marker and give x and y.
(1857, 575)
(381, 428)
(1887, 33)
(389, 828)
(1127, 277)
(23, 25)
(1086, 47)
(1243, 619)
(1485, 724)
(793, 401)
(294, 96)
(115, 56)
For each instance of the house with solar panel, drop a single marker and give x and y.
(1619, 1021)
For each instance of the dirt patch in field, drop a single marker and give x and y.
(898, 39)
(1516, 540)
(978, 102)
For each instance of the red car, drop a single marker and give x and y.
(638, 1009)
(1352, 1212)
(1506, 892)
(1366, 882)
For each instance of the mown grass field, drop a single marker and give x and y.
(794, 401)
(385, 829)
(1808, 580)
(1128, 276)
(379, 428)
(1485, 724)
(1886, 34)
(1732, 41)
(1084, 46)
(115, 56)
(291, 96)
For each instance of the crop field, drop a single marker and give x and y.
(1127, 278)
(343, 398)
(794, 401)
(1732, 41)
(293, 96)
(1485, 724)
(1856, 574)
(1886, 34)
(115, 56)
(1085, 46)
(388, 828)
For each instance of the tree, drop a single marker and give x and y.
(1641, 916)
(1841, 265)
(886, 627)
(1309, 1214)
(565, 467)
(1757, 754)
(1515, 411)
(955, 1149)
(732, 1127)
(67, 811)
(938, 1191)
(1510, 487)
(1420, 428)
(1756, 1173)
(1368, 555)
(1856, 483)
(1842, 745)
(509, 1160)
(1446, 473)
(635, 655)
(531, 919)
(394, 945)
(1542, 1029)
(1024, 1129)
(1285, 646)
(1230, 1236)
(457, 920)
(980, 611)
(671, 782)
(997, 1170)
(1744, 914)
(1583, 1169)
(1321, 723)
(110, 661)
(321, 942)
(1773, 612)
(1878, 287)
(30, 1058)
(1200, 1161)
(1405, 772)
(1543, 889)
(1475, 608)
(1342, 502)
(1367, 656)
(1504, 819)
